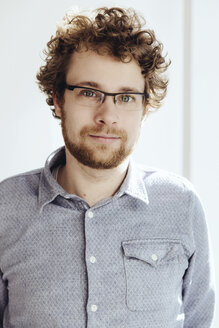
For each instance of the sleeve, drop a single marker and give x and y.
(198, 283)
(3, 298)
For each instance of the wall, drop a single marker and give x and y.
(205, 115)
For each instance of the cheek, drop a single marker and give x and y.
(133, 134)
(134, 126)
(76, 117)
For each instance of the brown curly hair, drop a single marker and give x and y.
(113, 31)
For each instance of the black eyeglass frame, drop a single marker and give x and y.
(72, 87)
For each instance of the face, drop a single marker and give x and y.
(104, 136)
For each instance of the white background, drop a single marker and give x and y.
(171, 139)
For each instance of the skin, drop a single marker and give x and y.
(101, 132)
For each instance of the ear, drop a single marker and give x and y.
(57, 107)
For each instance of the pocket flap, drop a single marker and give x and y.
(153, 251)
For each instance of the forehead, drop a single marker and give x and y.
(108, 72)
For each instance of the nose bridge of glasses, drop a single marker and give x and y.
(110, 94)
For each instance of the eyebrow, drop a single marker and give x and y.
(98, 86)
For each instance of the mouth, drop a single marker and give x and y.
(104, 138)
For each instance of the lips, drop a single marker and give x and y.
(104, 137)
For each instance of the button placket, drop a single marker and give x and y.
(92, 260)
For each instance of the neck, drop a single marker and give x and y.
(90, 184)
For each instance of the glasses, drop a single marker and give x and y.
(89, 97)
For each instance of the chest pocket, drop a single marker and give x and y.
(154, 270)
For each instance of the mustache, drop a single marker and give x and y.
(101, 129)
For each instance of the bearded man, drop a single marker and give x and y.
(92, 239)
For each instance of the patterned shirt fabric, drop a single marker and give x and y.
(138, 259)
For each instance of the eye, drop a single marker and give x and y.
(126, 98)
(88, 93)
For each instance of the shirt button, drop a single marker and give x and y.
(93, 308)
(92, 259)
(90, 214)
(154, 257)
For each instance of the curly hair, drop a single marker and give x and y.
(110, 31)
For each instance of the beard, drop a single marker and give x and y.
(95, 155)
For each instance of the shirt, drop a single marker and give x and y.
(134, 260)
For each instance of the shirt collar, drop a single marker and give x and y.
(49, 188)
(134, 184)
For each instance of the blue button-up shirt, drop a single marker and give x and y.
(134, 260)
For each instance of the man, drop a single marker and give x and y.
(93, 240)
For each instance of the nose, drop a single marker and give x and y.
(107, 113)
